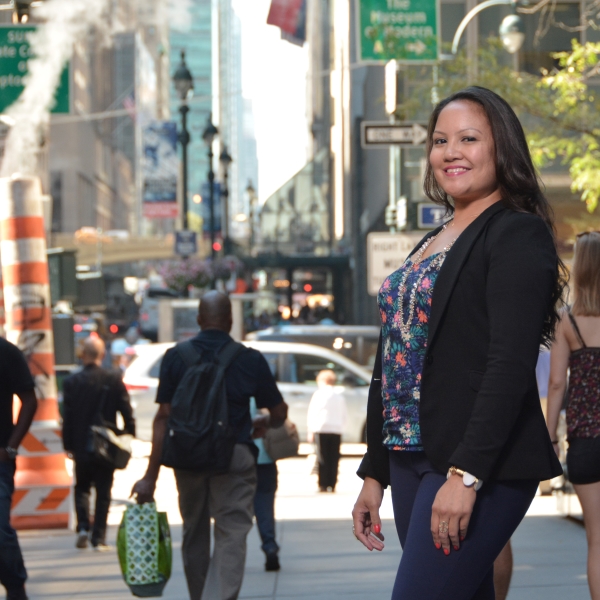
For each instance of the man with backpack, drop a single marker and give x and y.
(203, 430)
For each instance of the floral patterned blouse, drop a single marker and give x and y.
(402, 360)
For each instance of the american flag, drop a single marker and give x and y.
(290, 17)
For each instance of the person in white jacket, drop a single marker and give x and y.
(327, 416)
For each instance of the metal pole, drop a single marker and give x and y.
(184, 138)
(225, 211)
(211, 187)
(251, 226)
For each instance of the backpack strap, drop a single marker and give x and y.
(188, 354)
(576, 328)
(228, 353)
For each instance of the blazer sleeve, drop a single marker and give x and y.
(522, 271)
(67, 425)
(376, 462)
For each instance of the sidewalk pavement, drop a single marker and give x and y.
(320, 558)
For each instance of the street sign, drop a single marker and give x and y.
(430, 216)
(405, 30)
(379, 134)
(14, 54)
(185, 243)
(386, 252)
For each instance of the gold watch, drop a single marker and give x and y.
(468, 479)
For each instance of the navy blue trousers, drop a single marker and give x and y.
(264, 506)
(466, 574)
(12, 569)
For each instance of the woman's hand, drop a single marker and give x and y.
(365, 515)
(451, 513)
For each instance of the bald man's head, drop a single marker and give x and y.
(93, 351)
(214, 312)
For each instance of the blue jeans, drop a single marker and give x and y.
(467, 573)
(12, 569)
(264, 506)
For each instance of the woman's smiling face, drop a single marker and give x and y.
(463, 153)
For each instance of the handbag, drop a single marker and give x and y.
(145, 550)
(106, 445)
(282, 442)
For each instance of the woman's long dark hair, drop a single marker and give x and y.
(517, 178)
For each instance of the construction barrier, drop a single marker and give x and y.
(42, 482)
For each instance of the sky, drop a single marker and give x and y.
(274, 77)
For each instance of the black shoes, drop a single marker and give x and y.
(272, 563)
(16, 594)
(82, 540)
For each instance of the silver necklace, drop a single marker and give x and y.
(436, 262)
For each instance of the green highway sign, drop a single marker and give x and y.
(404, 30)
(14, 54)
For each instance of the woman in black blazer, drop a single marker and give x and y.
(454, 419)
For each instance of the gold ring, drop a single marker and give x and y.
(443, 527)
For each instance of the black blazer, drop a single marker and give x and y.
(83, 393)
(479, 406)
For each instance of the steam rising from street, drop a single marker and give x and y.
(67, 21)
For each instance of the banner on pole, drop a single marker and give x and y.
(160, 170)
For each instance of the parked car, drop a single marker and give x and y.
(357, 342)
(295, 367)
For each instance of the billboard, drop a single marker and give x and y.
(160, 170)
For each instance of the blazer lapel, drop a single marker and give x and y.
(452, 266)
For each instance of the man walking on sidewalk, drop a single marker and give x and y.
(227, 498)
(90, 397)
(15, 378)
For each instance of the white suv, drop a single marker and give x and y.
(295, 367)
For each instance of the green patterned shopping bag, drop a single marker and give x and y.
(144, 547)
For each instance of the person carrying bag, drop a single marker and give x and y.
(91, 399)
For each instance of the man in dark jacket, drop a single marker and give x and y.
(90, 397)
(15, 378)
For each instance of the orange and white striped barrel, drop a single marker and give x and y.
(41, 479)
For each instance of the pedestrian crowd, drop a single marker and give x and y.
(455, 426)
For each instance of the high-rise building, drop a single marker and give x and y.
(236, 121)
(196, 39)
(94, 151)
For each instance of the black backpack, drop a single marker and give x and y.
(198, 436)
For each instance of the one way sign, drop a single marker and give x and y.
(379, 134)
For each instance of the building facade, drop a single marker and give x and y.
(94, 151)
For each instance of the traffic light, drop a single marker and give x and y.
(21, 12)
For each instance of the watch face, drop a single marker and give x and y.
(468, 479)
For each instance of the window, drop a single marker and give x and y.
(155, 369)
(304, 368)
(272, 362)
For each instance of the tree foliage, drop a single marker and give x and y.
(559, 109)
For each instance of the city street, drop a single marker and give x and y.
(320, 558)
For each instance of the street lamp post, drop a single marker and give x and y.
(225, 160)
(184, 84)
(512, 30)
(251, 201)
(208, 135)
